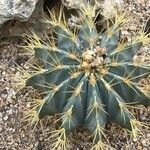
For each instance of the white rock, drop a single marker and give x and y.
(10, 111)
(19, 9)
(5, 118)
(108, 7)
(11, 93)
(73, 3)
(1, 128)
(1, 115)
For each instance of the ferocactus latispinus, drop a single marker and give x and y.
(89, 77)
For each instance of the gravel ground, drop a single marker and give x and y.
(16, 134)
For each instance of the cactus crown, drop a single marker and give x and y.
(89, 77)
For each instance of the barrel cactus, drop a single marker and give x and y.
(88, 77)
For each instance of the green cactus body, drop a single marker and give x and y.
(89, 77)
